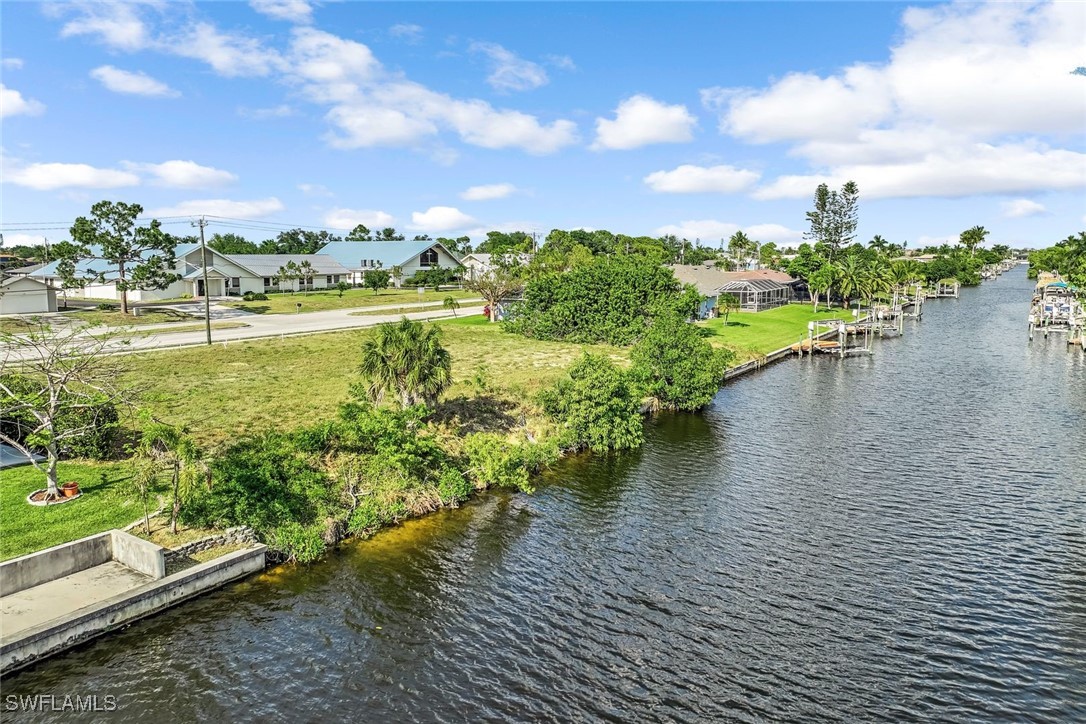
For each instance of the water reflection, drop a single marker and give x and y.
(897, 537)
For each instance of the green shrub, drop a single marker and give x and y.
(106, 307)
(596, 406)
(676, 367)
(254, 297)
(298, 543)
(263, 482)
(606, 300)
(453, 487)
(494, 461)
(376, 511)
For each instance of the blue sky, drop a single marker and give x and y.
(643, 118)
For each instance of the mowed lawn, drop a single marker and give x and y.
(221, 393)
(753, 334)
(107, 503)
(321, 301)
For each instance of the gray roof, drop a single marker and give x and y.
(709, 280)
(24, 269)
(267, 265)
(385, 253)
(758, 285)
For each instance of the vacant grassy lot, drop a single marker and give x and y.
(224, 392)
(352, 299)
(106, 503)
(754, 334)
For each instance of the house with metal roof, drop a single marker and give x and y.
(360, 257)
(227, 275)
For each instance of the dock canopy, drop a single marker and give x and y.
(758, 294)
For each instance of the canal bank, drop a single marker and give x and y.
(890, 537)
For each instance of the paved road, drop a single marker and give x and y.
(261, 326)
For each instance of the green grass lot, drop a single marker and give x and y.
(114, 318)
(221, 393)
(754, 334)
(322, 301)
(105, 504)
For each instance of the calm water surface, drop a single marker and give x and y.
(900, 537)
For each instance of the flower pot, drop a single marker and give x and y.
(70, 490)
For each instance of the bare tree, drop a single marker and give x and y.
(501, 281)
(53, 382)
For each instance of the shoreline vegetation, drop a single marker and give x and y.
(310, 440)
(220, 395)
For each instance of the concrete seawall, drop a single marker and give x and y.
(79, 623)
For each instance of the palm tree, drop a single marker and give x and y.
(877, 279)
(821, 281)
(166, 446)
(850, 279)
(451, 303)
(407, 359)
(726, 304)
(972, 238)
(878, 244)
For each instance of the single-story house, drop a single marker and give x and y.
(24, 295)
(361, 256)
(475, 265)
(22, 271)
(227, 274)
(756, 289)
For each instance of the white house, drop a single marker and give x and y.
(411, 256)
(476, 265)
(227, 274)
(23, 295)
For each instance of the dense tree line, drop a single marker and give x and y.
(1067, 258)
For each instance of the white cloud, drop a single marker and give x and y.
(1019, 208)
(50, 176)
(12, 103)
(23, 239)
(707, 230)
(264, 114)
(227, 208)
(690, 179)
(975, 99)
(641, 120)
(137, 83)
(12, 63)
(295, 11)
(116, 25)
(407, 31)
(183, 174)
(488, 192)
(350, 218)
(711, 231)
(561, 62)
(509, 72)
(229, 55)
(773, 232)
(951, 173)
(315, 190)
(440, 219)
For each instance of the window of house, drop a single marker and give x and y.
(328, 279)
(428, 258)
(364, 264)
(235, 281)
(267, 281)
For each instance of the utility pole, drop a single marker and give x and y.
(202, 222)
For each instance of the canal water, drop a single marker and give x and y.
(890, 538)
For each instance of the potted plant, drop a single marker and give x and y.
(70, 489)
